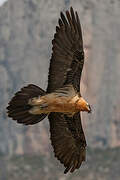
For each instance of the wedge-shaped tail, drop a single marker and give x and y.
(19, 109)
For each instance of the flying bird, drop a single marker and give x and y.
(62, 102)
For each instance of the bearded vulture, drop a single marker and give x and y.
(62, 101)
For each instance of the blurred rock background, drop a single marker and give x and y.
(26, 30)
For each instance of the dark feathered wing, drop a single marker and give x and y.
(67, 59)
(68, 140)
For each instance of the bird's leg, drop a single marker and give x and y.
(70, 114)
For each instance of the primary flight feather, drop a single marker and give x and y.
(62, 101)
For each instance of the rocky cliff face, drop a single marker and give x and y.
(26, 31)
(101, 164)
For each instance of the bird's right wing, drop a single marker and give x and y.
(68, 140)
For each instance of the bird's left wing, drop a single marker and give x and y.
(67, 59)
(68, 140)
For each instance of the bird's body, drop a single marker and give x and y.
(62, 101)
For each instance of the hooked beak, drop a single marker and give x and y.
(89, 109)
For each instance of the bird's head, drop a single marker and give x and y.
(82, 105)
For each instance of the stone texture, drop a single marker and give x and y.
(26, 31)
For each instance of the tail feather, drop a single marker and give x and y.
(18, 108)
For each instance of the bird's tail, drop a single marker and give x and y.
(19, 108)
